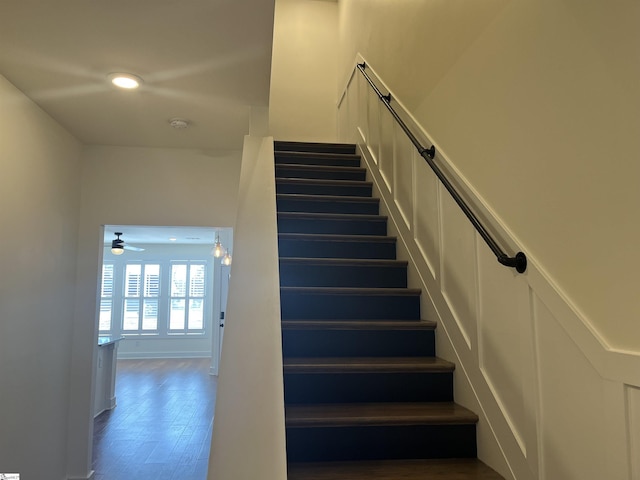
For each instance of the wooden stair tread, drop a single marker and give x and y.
(322, 181)
(331, 216)
(387, 291)
(429, 469)
(324, 198)
(377, 414)
(303, 155)
(337, 237)
(285, 145)
(366, 365)
(358, 324)
(320, 168)
(357, 262)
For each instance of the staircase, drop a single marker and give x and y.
(365, 395)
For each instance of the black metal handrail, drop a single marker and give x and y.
(519, 260)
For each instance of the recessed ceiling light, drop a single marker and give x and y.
(172, 239)
(125, 80)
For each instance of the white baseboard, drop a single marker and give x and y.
(156, 355)
(88, 477)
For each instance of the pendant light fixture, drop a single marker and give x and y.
(226, 260)
(218, 250)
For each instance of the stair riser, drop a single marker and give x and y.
(336, 249)
(367, 387)
(327, 206)
(292, 159)
(302, 275)
(357, 343)
(284, 171)
(329, 226)
(281, 146)
(296, 305)
(311, 189)
(387, 442)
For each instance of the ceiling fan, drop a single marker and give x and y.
(118, 246)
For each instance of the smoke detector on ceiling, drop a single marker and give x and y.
(178, 123)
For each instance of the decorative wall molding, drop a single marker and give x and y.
(531, 364)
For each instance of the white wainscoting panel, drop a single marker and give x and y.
(458, 251)
(403, 176)
(426, 219)
(386, 161)
(373, 125)
(571, 405)
(352, 107)
(363, 108)
(555, 403)
(501, 353)
(633, 416)
(344, 130)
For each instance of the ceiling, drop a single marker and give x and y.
(206, 61)
(136, 234)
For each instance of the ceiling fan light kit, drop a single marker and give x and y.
(118, 246)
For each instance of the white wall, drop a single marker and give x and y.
(249, 435)
(537, 103)
(303, 71)
(39, 194)
(135, 186)
(553, 401)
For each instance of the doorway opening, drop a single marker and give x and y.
(161, 309)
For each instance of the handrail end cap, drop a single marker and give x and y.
(521, 262)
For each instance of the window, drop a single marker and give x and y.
(187, 297)
(106, 298)
(141, 295)
(161, 297)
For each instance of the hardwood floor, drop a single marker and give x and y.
(161, 427)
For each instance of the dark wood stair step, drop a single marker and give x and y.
(336, 246)
(346, 262)
(342, 272)
(317, 158)
(358, 338)
(377, 414)
(367, 365)
(425, 469)
(320, 186)
(320, 171)
(340, 303)
(290, 146)
(358, 324)
(348, 291)
(341, 380)
(348, 204)
(331, 223)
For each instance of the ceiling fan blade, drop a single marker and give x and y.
(132, 248)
